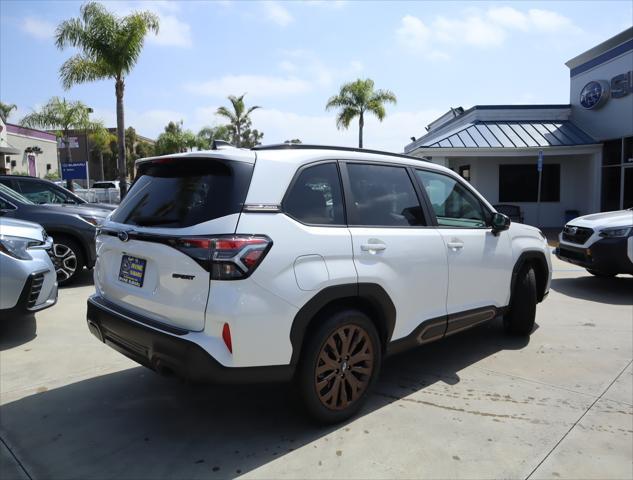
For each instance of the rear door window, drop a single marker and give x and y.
(383, 196)
(177, 193)
(315, 197)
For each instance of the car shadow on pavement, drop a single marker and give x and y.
(16, 330)
(136, 424)
(84, 278)
(614, 291)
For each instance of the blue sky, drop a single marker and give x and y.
(289, 57)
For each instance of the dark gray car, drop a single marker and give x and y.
(72, 227)
(40, 190)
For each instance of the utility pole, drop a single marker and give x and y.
(539, 167)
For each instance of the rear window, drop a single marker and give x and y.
(185, 192)
(103, 185)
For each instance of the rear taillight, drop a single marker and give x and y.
(231, 257)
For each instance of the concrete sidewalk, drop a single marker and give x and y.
(476, 405)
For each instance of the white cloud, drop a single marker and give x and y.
(172, 32)
(277, 13)
(260, 85)
(549, 21)
(301, 71)
(38, 28)
(476, 28)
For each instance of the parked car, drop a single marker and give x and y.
(602, 243)
(512, 211)
(27, 276)
(303, 262)
(107, 191)
(72, 227)
(42, 191)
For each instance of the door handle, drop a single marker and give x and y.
(373, 247)
(455, 245)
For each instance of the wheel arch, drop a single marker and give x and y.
(369, 298)
(536, 259)
(53, 232)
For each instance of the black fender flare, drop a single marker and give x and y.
(525, 257)
(370, 294)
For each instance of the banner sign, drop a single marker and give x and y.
(74, 142)
(74, 171)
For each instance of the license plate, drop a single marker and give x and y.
(132, 270)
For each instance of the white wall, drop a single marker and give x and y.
(48, 155)
(579, 189)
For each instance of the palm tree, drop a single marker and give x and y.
(110, 46)
(355, 99)
(6, 109)
(239, 119)
(60, 115)
(100, 139)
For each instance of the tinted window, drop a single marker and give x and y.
(14, 196)
(182, 192)
(519, 183)
(454, 205)
(40, 192)
(315, 197)
(383, 196)
(103, 185)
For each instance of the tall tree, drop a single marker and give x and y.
(174, 140)
(6, 109)
(239, 125)
(109, 47)
(100, 140)
(60, 115)
(207, 135)
(357, 98)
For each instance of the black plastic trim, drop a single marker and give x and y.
(371, 293)
(440, 327)
(523, 258)
(165, 352)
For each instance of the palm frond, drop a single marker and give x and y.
(79, 69)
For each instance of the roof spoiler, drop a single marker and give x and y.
(221, 145)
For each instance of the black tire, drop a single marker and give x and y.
(520, 319)
(596, 273)
(354, 381)
(68, 258)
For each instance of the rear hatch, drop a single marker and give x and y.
(153, 251)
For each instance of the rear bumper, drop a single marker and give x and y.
(167, 350)
(609, 255)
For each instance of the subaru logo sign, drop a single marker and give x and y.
(594, 94)
(123, 236)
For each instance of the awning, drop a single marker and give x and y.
(512, 134)
(9, 150)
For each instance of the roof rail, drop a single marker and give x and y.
(305, 146)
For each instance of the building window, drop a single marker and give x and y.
(612, 152)
(464, 172)
(519, 183)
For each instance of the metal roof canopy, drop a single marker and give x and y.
(514, 134)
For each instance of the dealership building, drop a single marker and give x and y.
(582, 151)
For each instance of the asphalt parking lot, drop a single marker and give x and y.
(476, 405)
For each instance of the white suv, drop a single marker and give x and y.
(305, 262)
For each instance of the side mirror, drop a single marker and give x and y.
(500, 222)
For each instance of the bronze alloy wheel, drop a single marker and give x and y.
(344, 367)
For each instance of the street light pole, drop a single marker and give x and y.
(89, 110)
